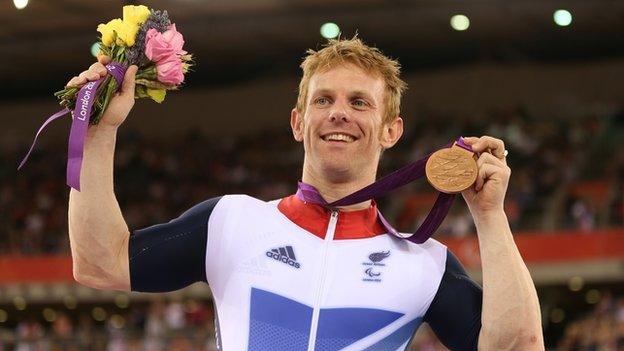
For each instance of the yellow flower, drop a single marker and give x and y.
(157, 95)
(126, 33)
(125, 30)
(108, 30)
(135, 14)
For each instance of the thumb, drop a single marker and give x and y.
(103, 59)
(470, 140)
(127, 87)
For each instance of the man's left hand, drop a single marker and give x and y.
(488, 193)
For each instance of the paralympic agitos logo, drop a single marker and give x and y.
(373, 275)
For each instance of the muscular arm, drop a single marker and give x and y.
(161, 258)
(511, 312)
(98, 233)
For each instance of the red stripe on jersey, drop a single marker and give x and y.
(357, 224)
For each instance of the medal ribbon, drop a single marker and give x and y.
(381, 187)
(80, 122)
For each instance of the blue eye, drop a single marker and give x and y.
(359, 103)
(322, 101)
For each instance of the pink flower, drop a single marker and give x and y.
(161, 46)
(170, 70)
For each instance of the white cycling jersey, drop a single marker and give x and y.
(290, 275)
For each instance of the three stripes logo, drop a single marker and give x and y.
(284, 254)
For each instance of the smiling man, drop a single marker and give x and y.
(345, 116)
(290, 274)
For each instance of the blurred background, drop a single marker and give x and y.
(545, 76)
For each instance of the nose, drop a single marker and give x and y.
(338, 113)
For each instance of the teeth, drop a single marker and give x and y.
(338, 137)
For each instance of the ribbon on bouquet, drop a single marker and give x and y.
(396, 179)
(80, 123)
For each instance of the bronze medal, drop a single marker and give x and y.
(451, 170)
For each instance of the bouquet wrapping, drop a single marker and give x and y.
(143, 37)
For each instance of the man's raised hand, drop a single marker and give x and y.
(121, 103)
(488, 193)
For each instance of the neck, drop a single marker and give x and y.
(335, 188)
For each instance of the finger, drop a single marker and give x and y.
(492, 172)
(99, 69)
(75, 81)
(127, 87)
(487, 158)
(470, 140)
(491, 145)
(484, 173)
(89, 75)
(103, 59)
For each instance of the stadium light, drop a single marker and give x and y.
(122, 301)
(576, 283)
(70, 302)
(20, 4)
(330, 30)
(592, 296)
(95, 49)
(117, 321)
(20, 303)
(49, 314)
(98, 313)
(562, 18)
(460, 22)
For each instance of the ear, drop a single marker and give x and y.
(296, 123)
(391, 133)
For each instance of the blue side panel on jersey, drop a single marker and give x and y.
(278, 323)
(398, 338)
(340, 327)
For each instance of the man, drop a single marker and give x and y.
(294, 275)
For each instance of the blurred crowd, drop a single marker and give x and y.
(567, 173)
(602, 329)
(156, 326)
(188, 325)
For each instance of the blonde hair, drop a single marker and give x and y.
(370, 59)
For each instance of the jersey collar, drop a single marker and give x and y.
(314, 217)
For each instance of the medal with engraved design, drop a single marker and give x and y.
(452, 170)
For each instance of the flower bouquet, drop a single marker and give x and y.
(145, 38)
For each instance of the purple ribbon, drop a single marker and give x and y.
(80, 123)
(396, 179)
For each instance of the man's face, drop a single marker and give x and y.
(342, 129)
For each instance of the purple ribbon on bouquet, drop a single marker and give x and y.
(396, 179)
(80, 123)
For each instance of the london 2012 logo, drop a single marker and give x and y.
(372, 273)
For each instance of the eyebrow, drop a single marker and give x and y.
(360, 93)
(355, 93)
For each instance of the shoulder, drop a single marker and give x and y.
(242, 201)
(431, 250)
(245, 199)
(236, 207)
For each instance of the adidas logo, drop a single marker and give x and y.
(284, 254)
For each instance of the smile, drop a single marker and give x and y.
(338, 137)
